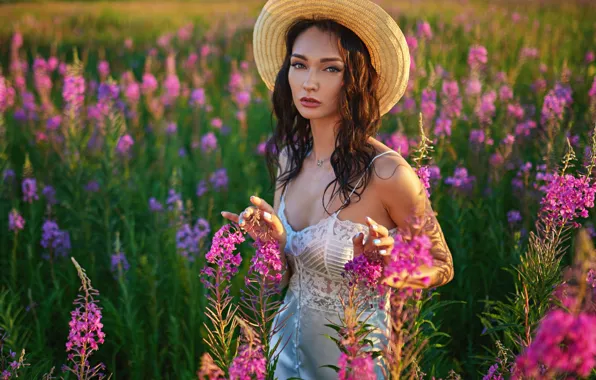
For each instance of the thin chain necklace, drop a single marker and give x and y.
(319, 162)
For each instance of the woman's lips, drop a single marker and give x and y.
(308, 104)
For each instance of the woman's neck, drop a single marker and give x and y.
(324, 132)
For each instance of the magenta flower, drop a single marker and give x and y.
(461, 180)
(222, 254)
(407, 256)
(589, 57)
(398, 141)
(73, 91)
(103, 68)
(242, 99)
(216, 122)
(365, 272)
(85, 333)
(7, 94)
(485, 109)
(567, 198)
(197, 97)
(249, 363)
(477, 57)
(412, 43)
(424, 30)
(124, 145)
(428, 104)
(505, 93)
(132, 92)
(15, 221)
(493, 373)
(29, 187)
(149, 83)
(266, 260)
(423, 173)
(361, 367)
(477, 136)
(450, 99)
(564, 343)
(591, 93)
(154, 205)
(473, 87)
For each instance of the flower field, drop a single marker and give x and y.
(126, 128)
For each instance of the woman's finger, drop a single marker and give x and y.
(261, 204)
(376, 229)
(382, 242)
(230, 216)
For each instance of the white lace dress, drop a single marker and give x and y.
(317, 255)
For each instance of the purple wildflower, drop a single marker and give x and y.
(201, 188)
(50, 194)
(461, 180)
(242, 99)
(119, 263)
(450, 99)
(514, 217)
(442, 127)
(197, 97)
(208, 142)
(219, 179)
(92, 186)
(15, 221)
(364, 270)
(154, 205)
(424, 175)
(103, 68)
(398, 141)
(29, 187)
(149, 84)
(55, 240)
(188, 238)
(174, 201)
(486, 108)
(493, 373)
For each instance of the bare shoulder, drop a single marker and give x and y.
(395, 178)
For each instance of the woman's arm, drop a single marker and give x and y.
(402, 194)
(276, 201)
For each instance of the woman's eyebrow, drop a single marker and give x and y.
(330, 59)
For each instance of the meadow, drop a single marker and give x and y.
(125, 128)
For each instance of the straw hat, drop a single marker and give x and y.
(384, 39)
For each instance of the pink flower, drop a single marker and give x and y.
(242, 99)
(216, 122)
(15, 221)
(149, 83)
(477, 57)
(103, 67)
(460, 179)
(361, 367)
(443, 127)
(566, 198)
(428, 104)
(208, 142)
(564, 343)
(407, 256)
(124, 145)
(424, 30)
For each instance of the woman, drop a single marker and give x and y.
(335, 67)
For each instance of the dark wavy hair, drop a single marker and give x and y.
(358, 107)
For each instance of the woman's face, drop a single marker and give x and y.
(316, 71)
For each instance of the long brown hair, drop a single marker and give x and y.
(358, 107)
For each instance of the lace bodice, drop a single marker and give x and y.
(317, 255)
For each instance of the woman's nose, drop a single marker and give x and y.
(310, 82)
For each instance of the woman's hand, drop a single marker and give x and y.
(378, 241)
(259, 221)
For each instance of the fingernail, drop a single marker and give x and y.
(222, 213)
(357, 235)
(267, 215)
(369, 219)
(376, 241)
(382, 252)
(375, 227)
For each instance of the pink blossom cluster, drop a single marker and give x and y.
(360, 367)
(249, 363)
(477, 57)
(408, 254)
(567, 198)
(266, 260)
(363, 270)
(222, 254)
(15, 221)
(461, 180)
(565, 343)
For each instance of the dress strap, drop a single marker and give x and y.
(358, 183)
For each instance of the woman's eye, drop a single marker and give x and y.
(297, 63)
(334, 68)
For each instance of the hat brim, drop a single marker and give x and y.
(382, 36)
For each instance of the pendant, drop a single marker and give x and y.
(320, 162)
